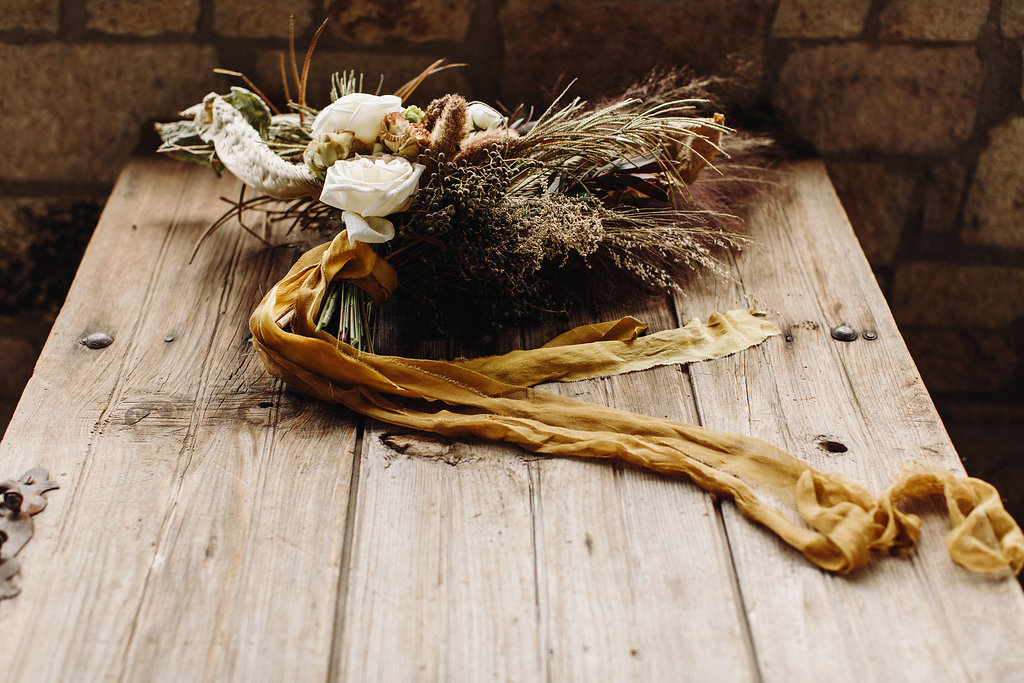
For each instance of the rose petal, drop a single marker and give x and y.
(360, 113)
(368, 186)
(371, 229)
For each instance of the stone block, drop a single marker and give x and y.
(947, 295)
(43, 243)
(943, 196)
(19, 358)
(994, 213)
(816, 19)
(876, 200)
(990, 450)
(608, 44)
(964, 360)
(21, 340)
(895, 99)
(396, 69)
(241, 19)
(17, 225)
(930, 20)
(411, 21)
(1012, 18)
(142, 17)
(42, 16)
(72, 113)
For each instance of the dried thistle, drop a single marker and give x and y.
(446, 121)
(475, 147)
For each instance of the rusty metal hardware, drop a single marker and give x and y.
(13, 500)
(20, 500)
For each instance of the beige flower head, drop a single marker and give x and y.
(403, 137)
(323, 150)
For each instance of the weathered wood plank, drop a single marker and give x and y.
(211, 526)
(923, 617)
(468, 564)
(635, 566)
(78, 616)
(246, 575)
(440, 584)
(197, 502)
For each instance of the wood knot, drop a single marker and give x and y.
(830, 444)
(422, 446)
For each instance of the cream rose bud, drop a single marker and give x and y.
(483, 117)
(357, 112)
(367, 188)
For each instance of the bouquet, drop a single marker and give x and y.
(490, 218)
(486, 218)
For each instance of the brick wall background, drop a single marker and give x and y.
(916, 105)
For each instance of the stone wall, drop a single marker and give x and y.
(914, 104)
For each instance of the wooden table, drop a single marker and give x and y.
(211, 525)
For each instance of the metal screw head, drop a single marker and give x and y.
(13, 500)
(844, 333)
(870, 336)
(97, 340)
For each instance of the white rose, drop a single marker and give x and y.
(367, 188)
(483, 117)
(357, 112)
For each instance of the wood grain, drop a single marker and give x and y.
(198, 503)
(637, 571)
(441, 582)
(923, 617)
(213, 526)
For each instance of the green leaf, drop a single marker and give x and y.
(252, 107)
(181, 141)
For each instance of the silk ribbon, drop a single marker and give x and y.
(835, 522)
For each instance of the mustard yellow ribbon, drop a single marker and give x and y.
(492, 398)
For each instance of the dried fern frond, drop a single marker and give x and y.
(576, 143)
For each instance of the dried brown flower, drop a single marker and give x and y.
(477, 145)
(446, 121)
(403, 137)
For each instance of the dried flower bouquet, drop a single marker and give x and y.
(495, 218)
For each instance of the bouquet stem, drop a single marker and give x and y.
(347, 303)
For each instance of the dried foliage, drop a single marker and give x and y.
(506, 220)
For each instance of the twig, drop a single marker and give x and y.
(252, 85)
(305, 63)
(284, 79)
